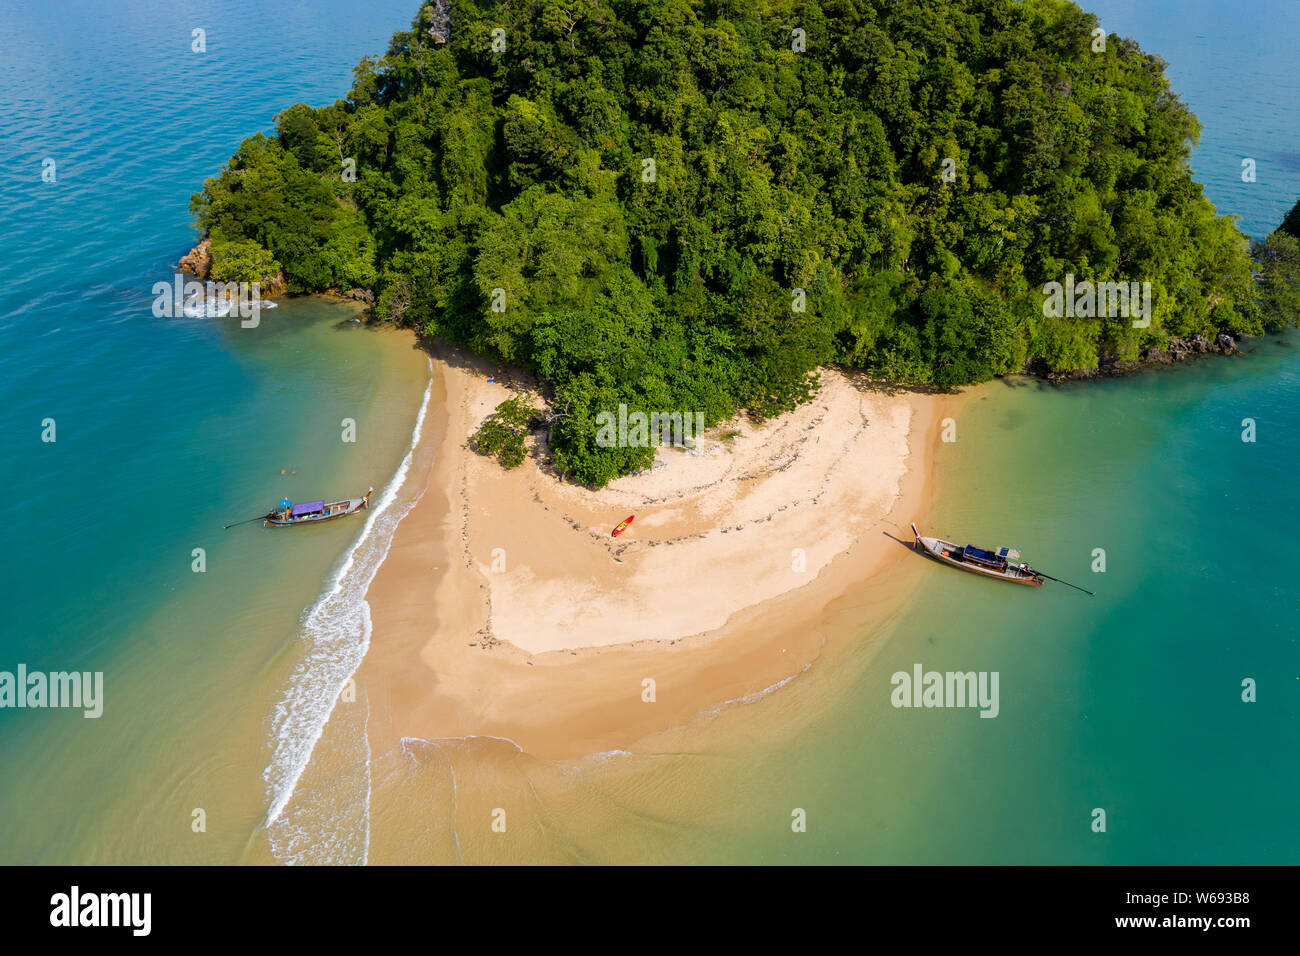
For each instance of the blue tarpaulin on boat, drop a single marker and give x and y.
(308, 508)
(980, 556)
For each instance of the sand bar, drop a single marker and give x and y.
(505, 609)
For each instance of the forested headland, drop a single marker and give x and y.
(689, 205)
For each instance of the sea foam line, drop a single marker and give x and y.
(337, 629)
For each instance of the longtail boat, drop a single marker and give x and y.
(622, 526)
(1003, 563)
(288, 513)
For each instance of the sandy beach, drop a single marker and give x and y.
(505, 608)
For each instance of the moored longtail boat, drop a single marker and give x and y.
(1002, 564)
(288, 513)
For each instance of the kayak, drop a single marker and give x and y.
(622, 526)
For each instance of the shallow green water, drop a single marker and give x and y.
(196, 662)
(1131, 701)
(166, 429)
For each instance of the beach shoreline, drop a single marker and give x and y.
(505, 609)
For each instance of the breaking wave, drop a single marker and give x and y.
(335, 632)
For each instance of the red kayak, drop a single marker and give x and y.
(622, 526)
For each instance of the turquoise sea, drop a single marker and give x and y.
(168, 429)
(1130, 701)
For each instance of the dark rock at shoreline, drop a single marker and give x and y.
(198, 261)
(1175, 349)
(360, 295)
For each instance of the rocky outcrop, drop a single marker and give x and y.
(440, 22)
(199, 260)
(198, 263)
(278, 285)
(1174, 350)
(360, 295)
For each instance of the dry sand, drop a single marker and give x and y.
(506, 609)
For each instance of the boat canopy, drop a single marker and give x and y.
(309, 508)
(980, 556)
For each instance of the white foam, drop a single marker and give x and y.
(595, 760)
(213, 307)
(336, 630)
(753, 697)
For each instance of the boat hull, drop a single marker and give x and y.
(943, 551)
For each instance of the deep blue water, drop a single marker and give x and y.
(1234, 65)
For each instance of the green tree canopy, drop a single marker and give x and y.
(690, 205)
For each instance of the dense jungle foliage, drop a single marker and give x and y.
(690, 205)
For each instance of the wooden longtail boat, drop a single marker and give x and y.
(288, 513)
(622, 526)
(1001, 564)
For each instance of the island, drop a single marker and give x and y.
(791, 231)
(690, 208)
